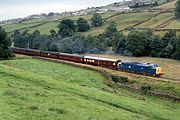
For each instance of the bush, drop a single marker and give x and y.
(118, 79)
(145, 88)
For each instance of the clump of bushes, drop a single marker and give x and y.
(118, 79)
(145, 88)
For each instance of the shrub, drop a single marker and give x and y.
(118, 79)
(145, 88)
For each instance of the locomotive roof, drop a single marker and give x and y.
(141, 64)
(99, 58)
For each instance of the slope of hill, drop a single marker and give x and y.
(46, 90)
(168, 5)
(145, 20)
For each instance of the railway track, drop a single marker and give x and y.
(163, 79)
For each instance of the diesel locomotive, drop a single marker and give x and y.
(131, 67)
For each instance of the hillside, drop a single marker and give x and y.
(168, 5)
(157, 20)
(45, 90)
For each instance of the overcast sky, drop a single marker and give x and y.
(21, 8)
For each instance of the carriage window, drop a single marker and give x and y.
(92, 60)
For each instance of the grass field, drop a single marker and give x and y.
(155, 21)
(23, 25)
(35, 89)
(44, 25)
(168, 5)
(123, 21)
(175, 24)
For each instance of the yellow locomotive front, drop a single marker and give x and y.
(159, 71)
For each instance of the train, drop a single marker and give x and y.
(147, 69)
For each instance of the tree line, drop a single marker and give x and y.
(136, 43)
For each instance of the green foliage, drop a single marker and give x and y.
(118, 79)
(21, 39)
(119, 43)
(5, 43)
(177, 9)
(82, 25)
(156, 46)
(176, 54)
(66, 28)
(54, 47)
(145, 88)
(168, 42)
(111, 30)
(137, 43)
(96, 20)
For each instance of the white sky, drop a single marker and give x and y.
(22, 8)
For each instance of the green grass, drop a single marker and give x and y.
(53, 25)
(122, 20)
(23, 25)
(167, 5)
(155, 21)
(44, 25)
(45, 28)
(175, 24)
(35, 89)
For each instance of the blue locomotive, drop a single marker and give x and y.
(141, 68)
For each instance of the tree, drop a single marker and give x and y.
(82, 25)
(168, 40)
(32, 38)
(5, 43)
(119, 43)
(53, 34)
(137, 43)
(21, 39)
(176, 54)
(66, 28)
(156, 46)
(54, 47)
(169, 50)
(96, 20)
(111, 30)
(110, 33)
(50, 14)
(177, 10)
